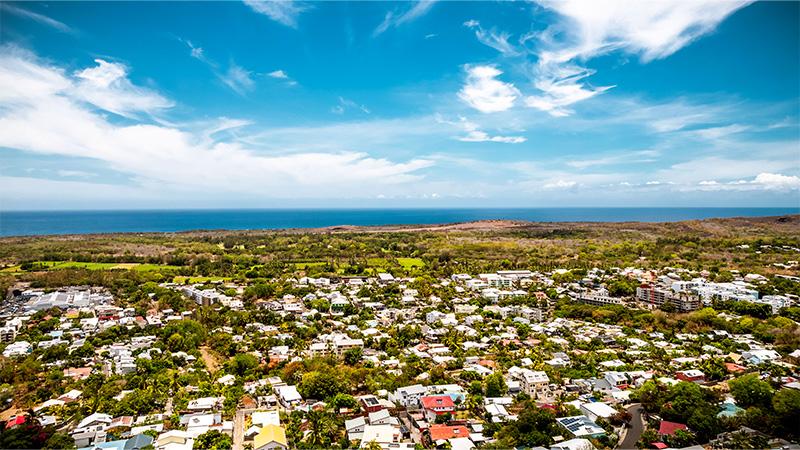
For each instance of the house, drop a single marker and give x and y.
(382, 417)
(760, 356)
(667, 428)
(409, 396)
(205, 404)
(370, 403)
(597, 410)
(693, 376)
(263, 418)
(573, 444)
(617, 379)
(533, 383)
(461, 443)
(355, 428)
(440, 432)
(77, 373)
(174, 440)
(137, 442)
(288, 396)
(94, 420)
(581, 427)
(271, 437)
(435, 405)
(227, 380)
(383, 435)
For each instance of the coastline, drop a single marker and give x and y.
(707, 225)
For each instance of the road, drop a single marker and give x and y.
(239, 420)
(632, 434)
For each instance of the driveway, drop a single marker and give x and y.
(633, 433)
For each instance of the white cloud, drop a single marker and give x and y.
(52, 120)
(285, 12)
(280, 74)
(394, 18)
(651, 30)
(482, 136)
(484, 92)
(560, 184)
(561, 86)
(764, 181)
(41, 18)
(777, 181)
(475, 134)
(107, 86)
(75, 174)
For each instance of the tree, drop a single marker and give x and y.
(340, 401)
(353, 356)
(59, 441)
(320, 386)
(533, 428)
(495, 385)
(320, 428)
(213, 440)
(749, 390)
(444, 418)
(786, 404)
(242, 364)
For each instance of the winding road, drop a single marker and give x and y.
(633, 433)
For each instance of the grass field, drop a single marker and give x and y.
(56, 265)
(303, 265)
(195, 280)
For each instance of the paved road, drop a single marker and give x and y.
(633, 433)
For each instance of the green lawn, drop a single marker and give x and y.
(409, 263)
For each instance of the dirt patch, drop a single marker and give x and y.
(209, 359)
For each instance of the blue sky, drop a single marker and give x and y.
(435, 104)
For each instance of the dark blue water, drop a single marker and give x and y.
(19, 223)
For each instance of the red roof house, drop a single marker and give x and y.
(435, 405)
(439, 432)
(668, 428)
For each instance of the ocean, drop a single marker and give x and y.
(21, 223)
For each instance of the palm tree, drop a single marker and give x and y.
(320, 426)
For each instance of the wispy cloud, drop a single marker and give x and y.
(484, 92)
(238, 78)
(234, 76)
(651, 30)
(346, 104)
(396, 18)
(497, 40)
(41, 18)
(284, 12)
